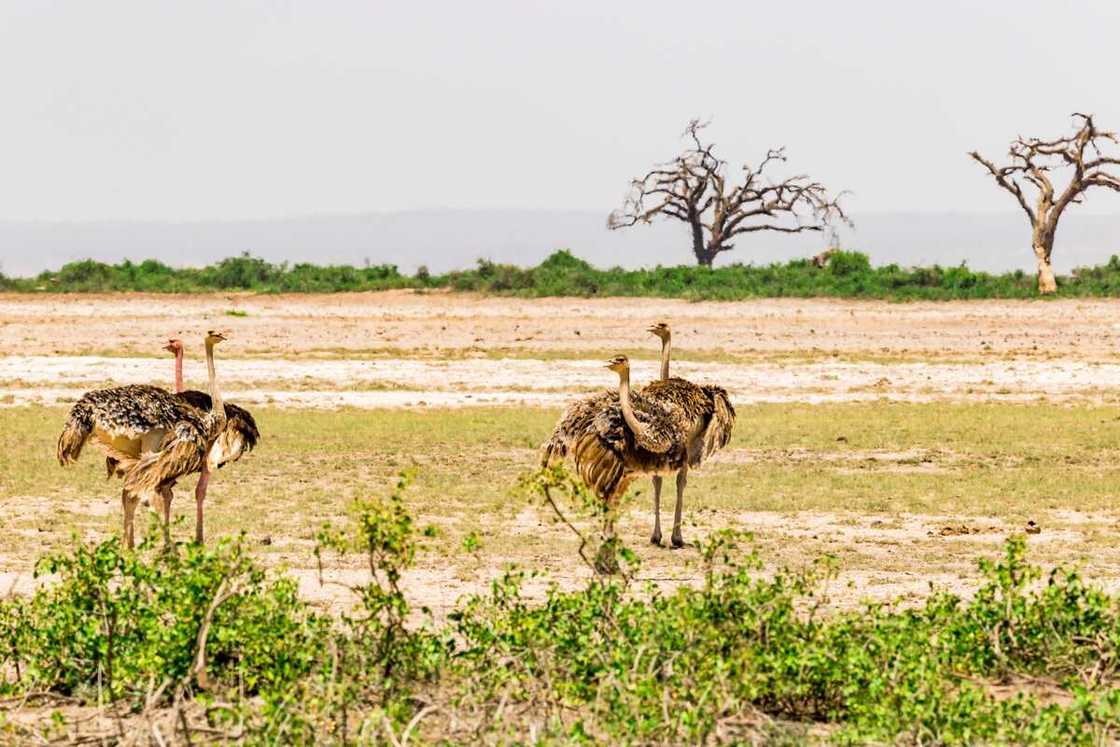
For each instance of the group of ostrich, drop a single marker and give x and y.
(668, 426)
(152, 437)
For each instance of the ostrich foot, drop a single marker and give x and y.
(677, 541)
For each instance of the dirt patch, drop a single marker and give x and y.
(880, 557)
(404, 382)
(419, 322)
(961, 530)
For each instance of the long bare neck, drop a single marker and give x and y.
(624, 400)
(217, 406)
(179, 370)
(666, 345)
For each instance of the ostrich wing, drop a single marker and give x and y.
(578, 420)
(119, 418)
(238, 437)
(657, 434)
(703, 413)
(718, 433)
(182, 452)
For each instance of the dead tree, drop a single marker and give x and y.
(1034, 162)
(695, 188)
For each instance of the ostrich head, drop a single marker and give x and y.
(174, 345)
(661, 329)
(619, 364)
(213, 338)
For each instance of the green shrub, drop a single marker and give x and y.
(114, 623)
(743, 656)
(848, 275)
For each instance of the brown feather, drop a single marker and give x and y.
(240, 434)
(71, 441)
(116, 416)
(604, 450)
(181, 453)
(702, 415)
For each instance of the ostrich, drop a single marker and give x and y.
(128, 421)
(124, 421)
(612, 438)
(665, 428)
(661, 330)
(705, 415)
(186, 448)
(240, 434)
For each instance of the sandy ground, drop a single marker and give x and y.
(406, 349)
(396, 321)
(437, 349)
(403, 382)
(898, 558)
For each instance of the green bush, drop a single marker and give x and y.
(114, 624)
(744, 656)
(848, 275)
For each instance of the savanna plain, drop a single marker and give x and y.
(903, 441)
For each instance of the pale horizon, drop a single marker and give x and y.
(141, 128)
(210, 111)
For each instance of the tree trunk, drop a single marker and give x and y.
(1043, 245)
(1046, 282)
(703, 256)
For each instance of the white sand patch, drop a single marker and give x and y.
(407, 382)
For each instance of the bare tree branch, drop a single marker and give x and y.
(1033, 161)
(694, 188)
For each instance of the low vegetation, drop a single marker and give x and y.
(847, 275)
(759, 643)
(200, 643)
(987, 463)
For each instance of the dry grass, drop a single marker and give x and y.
(869, 483)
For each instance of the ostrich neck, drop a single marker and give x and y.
(179, 370)
(624, 400)
(665, 347)
(217, 406)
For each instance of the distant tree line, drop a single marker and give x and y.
(841, 274)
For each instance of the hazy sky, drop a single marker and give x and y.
(236, 109)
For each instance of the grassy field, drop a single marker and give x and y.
(866, 482)
(900, 499)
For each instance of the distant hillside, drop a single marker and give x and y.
(454, 239)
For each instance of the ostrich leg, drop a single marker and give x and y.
(656, 537)
(606, 557)
(682, 480)
(199, 497)
(128, 503)
(167, 496)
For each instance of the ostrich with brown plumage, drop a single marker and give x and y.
(673, 425)
(147, 434)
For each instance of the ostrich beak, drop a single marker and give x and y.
(170, 346)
